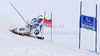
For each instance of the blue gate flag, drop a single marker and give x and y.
(88, 22)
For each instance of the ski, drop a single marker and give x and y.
(37, 37)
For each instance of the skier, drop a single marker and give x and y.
(31, 29)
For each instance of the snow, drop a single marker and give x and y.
(66, 15)
(16, 45)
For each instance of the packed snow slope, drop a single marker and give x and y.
(16, 45)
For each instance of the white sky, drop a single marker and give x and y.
(66, 12)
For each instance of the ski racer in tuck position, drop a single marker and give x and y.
(32, 29)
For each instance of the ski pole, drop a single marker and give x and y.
(18, 13)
